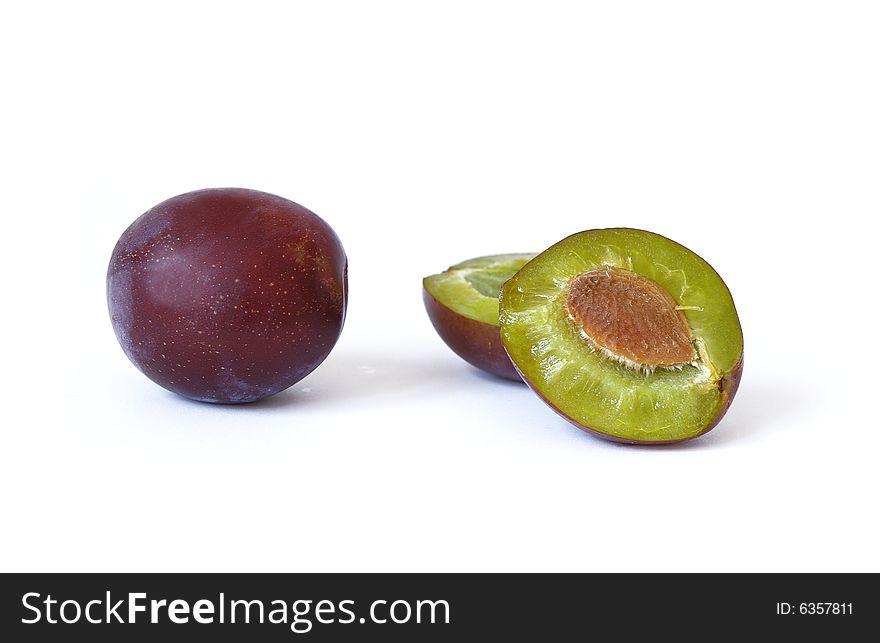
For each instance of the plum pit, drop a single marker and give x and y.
(630, 318)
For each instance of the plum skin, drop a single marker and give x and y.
(474, 341)
(728, 386)
(227, 295)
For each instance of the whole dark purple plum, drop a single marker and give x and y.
(227, 295)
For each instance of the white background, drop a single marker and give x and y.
(428, 133)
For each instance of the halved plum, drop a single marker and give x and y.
(625, 334)
(462, 303)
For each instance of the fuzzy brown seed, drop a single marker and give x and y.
(630, 318)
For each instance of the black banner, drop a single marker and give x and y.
(429, 607)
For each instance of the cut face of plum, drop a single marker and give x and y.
(626, 334)
(462, 303)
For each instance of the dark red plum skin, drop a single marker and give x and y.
(728, 385)
(227, 295)
(475, 342)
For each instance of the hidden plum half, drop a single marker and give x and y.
(227, 295)
(626, 334)
(462, 303)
